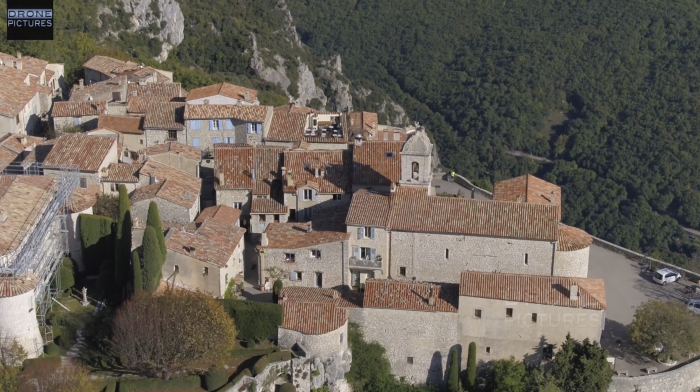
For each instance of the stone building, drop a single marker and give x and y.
(376, 165)
(129, 132)
(303, 255)
(25, 97)
(89, 154)
(264, 211)
(295, 127)
(416, 162)
(223, 94)
(242, 173)
(112, 91)
(528, 189)
(209, 124)
(116, 174)
(208, 258)
(315, 180)
(164, 122)
(40, 71)
(101, 68)
(81, 202)
(14, 148)
(175, 192)
(84, 115)
(176, 155)
(157, 92)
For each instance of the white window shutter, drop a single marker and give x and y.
(313, 195)
(249, 127)
(258, 128)
(360, 233)
(371, 233)
(355, 252)
(293, 275)
(373, 254)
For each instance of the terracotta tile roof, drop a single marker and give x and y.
(99, 88)
(138, 105)
(213, 242)
(83, 198)
(293, 235)
(545, 290)
(239, 112)
(286, 126)
(529, 188)
(18, 143)
(221, 212)
(313, 318)
(23, 199)
(121, 124)
(15, 93)
(139, 74)
(109, 66)
(164, 115)
(13, 286)
(121, 173)
(234, 163)
(336, 164)
(393, 294)
(265, 187)
(361, 122)
(173, 185)
(570, 239)
(49, 74)
(369, 208)
(294, 108)
(377, 163)
(30, 64)
(84, 151)
(167, 90)
(268, 206)
(40, 152)
(346, 299)
(225, 89)
(78, 108)
(186, 151)
(6, 158)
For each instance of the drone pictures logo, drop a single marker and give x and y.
(30, 19)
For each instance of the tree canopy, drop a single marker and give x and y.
(666, 330)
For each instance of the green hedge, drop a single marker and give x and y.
(51, 349)
(153, 384)
(262, 363)
(245, 372)
(111, 387)
(287, 387)
(215, 379)
(254, 320)
(251, 352)
(96, 240)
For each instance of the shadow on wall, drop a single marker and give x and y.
(616, 340)
(536, 355)
(435, 371)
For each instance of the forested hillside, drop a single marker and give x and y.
(608, 89)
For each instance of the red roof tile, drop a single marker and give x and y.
(544, 290)
(138, 105)
(78, 108)
(369, 208)
(286, 126)
(23, 199)
(84, 151)
(267, 206)
(377, 163)
(239, 112)
(83, 198)
(213, 242)
(13, 286)
(121, 124)
(168, 89)
(173, 185)
(529, 189)
(223, 213)
(570, 239)
(98, 89)
(294, 235)
(313, 318)
(334, 170)
(234, 164)
(109, 66)
(176, 148)
(225, 89)
(18, 88)
(164, 115)
(392, 294)
(121, 173)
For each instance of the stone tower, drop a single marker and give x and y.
(416, 160)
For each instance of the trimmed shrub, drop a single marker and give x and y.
(68, 263)
(96, 240)
(111, 387)
(276, 288)
(123, 243)
(287, 387)
(51, 349)
(215, 379)
(152, 260)
(245, 372)
(36, 363)
(251, 352)
(67, 279)
(255, 321)
(154, 384)
(154, 221)
(471, 368)
(453, 384)
(136, 264)
(262, 363)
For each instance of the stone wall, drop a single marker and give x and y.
(160, 136)
(168, 211)
(684, 378)
(178, 162)
(423, 338)
(467, 184)
(380, 243)
(573, 263)
(228, 197)
(331, 265)
(239, 133)
(88, 123)
(191, 271)
(423, 256)
(316, 345)
(74, 248)
(18, 321)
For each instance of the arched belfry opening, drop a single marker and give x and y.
(415, 169)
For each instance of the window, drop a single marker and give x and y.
(389, 154)
(258, 128)
(195, 141)
(228, 140)
(83, 182)
(113, 187)
(217, 140)
(249, 128)
(289, 257)
(237, 205)
(402, 271)
(534, 317)
(509, 312)
(365, 253)
(77, 121)
(365, 232)
(409, 360)
(195, 125)
(414, 170)
(177, 269)
(141, 141)
(229, 125)
(205, 271)
(447, 254)
(477, 313)
(315, 253)
(214, 125)
(172, 135)
(526, 259)
(308, 194)
(548, 352)
(17, 119)
(488, 350)
(262, 218)
(341, 338)
(337, 197)
(298, 275)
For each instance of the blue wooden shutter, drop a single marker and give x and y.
(356, 252)
(371, 234)
(195, 141)
(258, 128)
(221, 125)
(313, 195)
(216, 140)
(360, 233)
(211, 124)
(373, 254)
(229, 124)
(249, 127)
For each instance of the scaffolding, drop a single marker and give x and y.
(42, 250)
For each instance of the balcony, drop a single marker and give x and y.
(366, 263)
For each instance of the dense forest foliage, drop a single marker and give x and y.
(607, 89)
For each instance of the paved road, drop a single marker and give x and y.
(626, 287)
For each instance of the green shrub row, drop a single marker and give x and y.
(254, 320)
(239, 377)
(152, 384)
(111, 387)
(250, 352)
(52, 349)
(262, 363)
(214, 379)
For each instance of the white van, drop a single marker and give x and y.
(666, 275)
(694, 305)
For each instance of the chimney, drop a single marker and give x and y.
(247, 96)
(323, 172)
(23, 140)
(290, 180)
(520, 199)
(221, 178)
(431, 297)
(573, 292)
(358, 140)
(316, 172)
(252, 174)
(192, 251)
(263, 240)
(309, 228)
(284, 171)
(553, 198)
(80, 83)
(18, 64)
(133, 93)
(206, 102)
(336, 294)
(3, 216)
(153, 180)
(19, 55)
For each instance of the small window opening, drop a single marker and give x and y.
(205, 271)
(177, 269)
(534, 317)
(477, 313)
(447, 254)
(389, 154)
(402, 271)
(488, 350)
(409, 360)
(509, 312)
(526, 259)
(289, 257)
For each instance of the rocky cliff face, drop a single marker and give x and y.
(166, 14)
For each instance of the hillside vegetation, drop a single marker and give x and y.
(608, 89)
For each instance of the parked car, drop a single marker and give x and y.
(666, 275)
(694, 305)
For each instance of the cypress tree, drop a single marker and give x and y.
(123, 243)
(453, 378)
(471, 368)
(138, 281)
(154, 221)
(151, 260)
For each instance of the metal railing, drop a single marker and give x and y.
(365, 263)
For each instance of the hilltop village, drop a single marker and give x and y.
(339, 208)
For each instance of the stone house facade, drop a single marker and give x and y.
(176, 155)
(29, 83)
(88, 154)
(83, 114)
(164, 122)
(141, 198)
(119, 174)
(208, 124)
(128, 130)
(264, 211)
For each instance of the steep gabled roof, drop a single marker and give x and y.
(83, 151)
(529, 189)
(377, 163)
(121, 124)
(235, 162)
(176, 148)
(225, 89)
(213, 242)
(239, 112)
(426, 297)
(334, 169)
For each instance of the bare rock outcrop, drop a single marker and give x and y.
(166, 14)
(307, 87)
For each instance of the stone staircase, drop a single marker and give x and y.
(70, 359)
